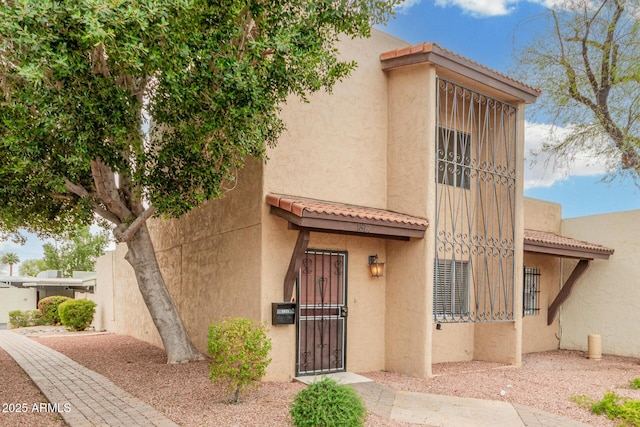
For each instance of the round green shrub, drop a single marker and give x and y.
(239, 349)
(77, 314)
(326, 403)
(49, 308)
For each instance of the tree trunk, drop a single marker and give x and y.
(142, 257)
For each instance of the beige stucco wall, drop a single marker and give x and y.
(606, 298)
(210, 260)
(454, 342)
(335, 149)
(410, 164)
(537, 336)
(16, 299)
(542, 215)
(104, 292)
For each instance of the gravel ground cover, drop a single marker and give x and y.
(184, 393)
(546, 381)
(16, 391)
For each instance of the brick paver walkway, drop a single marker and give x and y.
(81, 396)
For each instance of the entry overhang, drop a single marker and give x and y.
(544, 242)
(308, 215)
(332, 217)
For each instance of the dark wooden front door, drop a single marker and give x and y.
(322, 292)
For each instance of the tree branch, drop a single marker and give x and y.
(81, 192)
(126, 234)
(585, 53)
(107, 191)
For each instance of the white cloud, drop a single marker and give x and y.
(481, 7)
(406, 5)
(487, 8)
(543, 171)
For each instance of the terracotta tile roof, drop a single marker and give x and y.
(551, 240)
(300, 205)
(431, 52)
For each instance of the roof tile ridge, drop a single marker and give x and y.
(492, 70)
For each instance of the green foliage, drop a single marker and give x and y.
(80, 81)
(239, 350)
(76, 251)
(9, 259)
(49, 308)
(32, 267)
(634, 383)
(614, 407)
(26, 318)
(130, 109)
(326, 403)
(77, 314)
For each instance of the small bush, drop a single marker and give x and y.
(23, 319)
(36, 318)
(18, 319)
(239, 349)
(326, 403)
(77, 314)
(634, 383)
(614, 407)
(49, 308)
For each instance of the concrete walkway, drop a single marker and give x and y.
(445, 411)
(82, 397)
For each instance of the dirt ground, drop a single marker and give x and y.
(546, 381)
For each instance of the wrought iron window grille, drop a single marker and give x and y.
(531, 291)
(475, 194)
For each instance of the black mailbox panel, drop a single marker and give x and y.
(283, 313)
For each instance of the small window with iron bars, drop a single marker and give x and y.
(531, 291)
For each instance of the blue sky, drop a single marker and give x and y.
(488, 31)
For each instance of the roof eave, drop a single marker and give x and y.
(434, 54)
(348, 225)
(565, 251)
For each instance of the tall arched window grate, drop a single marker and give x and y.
(474, 269)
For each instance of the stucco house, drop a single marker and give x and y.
(391, 214)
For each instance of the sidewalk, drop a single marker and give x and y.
(446, 411)
(82, 397)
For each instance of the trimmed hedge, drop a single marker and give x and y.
(77, 314)
(49, 308)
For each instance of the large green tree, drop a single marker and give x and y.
(133, 109)
(75, 251)
(585, 60)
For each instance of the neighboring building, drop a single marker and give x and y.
(12, 298)
(415, 161)
(23, 292)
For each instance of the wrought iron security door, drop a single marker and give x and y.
(322, 289)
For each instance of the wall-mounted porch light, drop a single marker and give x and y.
(377, 268)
